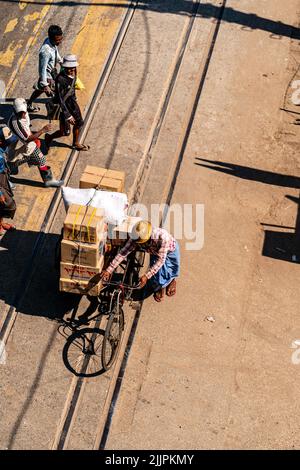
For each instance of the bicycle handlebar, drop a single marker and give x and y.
(120, 284)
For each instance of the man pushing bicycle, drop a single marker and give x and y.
(164, 258)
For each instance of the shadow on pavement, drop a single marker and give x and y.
(248, 21)
(34, 294)
(281, 245)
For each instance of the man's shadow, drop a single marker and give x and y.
(278, 244)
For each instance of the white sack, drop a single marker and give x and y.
(115, 205)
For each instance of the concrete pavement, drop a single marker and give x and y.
(191, 383)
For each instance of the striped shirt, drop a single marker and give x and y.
(21, 128)
(161, 244)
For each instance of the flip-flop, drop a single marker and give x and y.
(159, 295)
(171, 289)
(81, 147)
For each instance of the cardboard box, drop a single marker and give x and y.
(120, 233)
(79, 287)
(109, 180)
(82, 253)
(80, 272)
(84, 224)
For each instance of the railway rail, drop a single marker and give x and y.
(78, 383)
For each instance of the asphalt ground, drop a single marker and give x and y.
(189, 382)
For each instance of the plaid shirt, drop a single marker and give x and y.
(161, 244)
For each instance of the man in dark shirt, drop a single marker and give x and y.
(70, 112)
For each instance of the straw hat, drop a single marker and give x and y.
(141, 232)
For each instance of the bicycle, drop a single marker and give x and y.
(115, 323)
(89, 352)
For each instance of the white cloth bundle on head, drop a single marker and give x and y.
(115, 205)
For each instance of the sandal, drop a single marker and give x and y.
(33, 109)
(171, 288)
(158, 296)
(81, 147)
(8, 227)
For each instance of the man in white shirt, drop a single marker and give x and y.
(49, 57)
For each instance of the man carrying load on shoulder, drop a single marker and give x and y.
(164, 258)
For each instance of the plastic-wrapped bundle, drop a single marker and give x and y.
(115, 205)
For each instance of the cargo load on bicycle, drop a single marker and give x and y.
(95, 227)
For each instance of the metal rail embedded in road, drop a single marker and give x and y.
(77, 386)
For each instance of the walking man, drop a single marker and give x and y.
(19, 124)
(48, 59)
(70, 111)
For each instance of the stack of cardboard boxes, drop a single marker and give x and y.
(101, 178)
(109, 180)
(82, 250)
(85, 235)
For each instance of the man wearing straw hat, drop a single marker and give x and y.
(65, 95)
(164, 258)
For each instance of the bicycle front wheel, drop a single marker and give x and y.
(112, 337)
(82, 352)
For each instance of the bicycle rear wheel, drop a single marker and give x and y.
(112, 337)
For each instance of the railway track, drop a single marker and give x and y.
(76, 391)
(67, 172)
